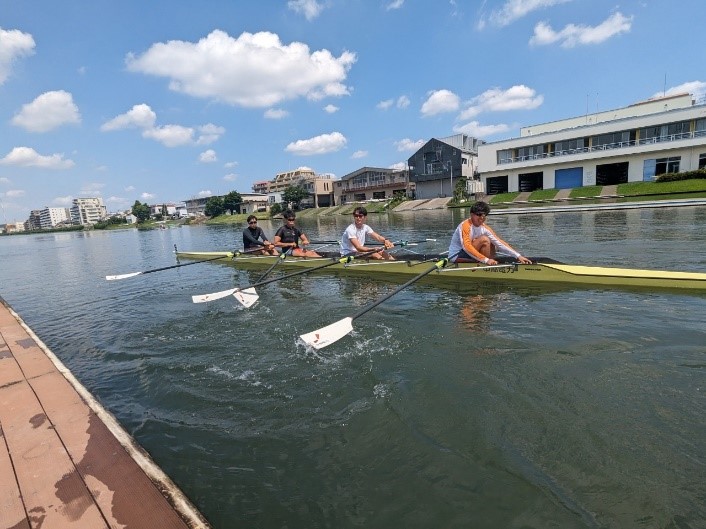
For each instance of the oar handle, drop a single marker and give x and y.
(441, 263)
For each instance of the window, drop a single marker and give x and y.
(531, 152)
(505, 156)
(613, 140)
(667, 165)
(702, 160)
(700, 128)
(378, 194)
(359, 197)
(569, 146)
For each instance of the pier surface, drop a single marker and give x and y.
(64, 460)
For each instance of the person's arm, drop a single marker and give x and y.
(380, 238)
(249, 240)
(303, 238)
(499, 243)
(468, 245)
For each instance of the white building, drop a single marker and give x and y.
(88, 210)
(51, 217)
(630, 144)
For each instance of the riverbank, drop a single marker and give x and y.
(64, 460)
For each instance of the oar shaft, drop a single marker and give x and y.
(187, 264)
(437, 266)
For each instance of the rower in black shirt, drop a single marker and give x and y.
(288, 236)
(254, 237)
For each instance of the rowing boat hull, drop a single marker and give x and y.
(549, 273)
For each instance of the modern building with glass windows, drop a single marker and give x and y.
(630, 144)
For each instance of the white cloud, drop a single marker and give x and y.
(395, 4)
(205, 193)
(402, 102)
(13, 45)
(228, 165)
(48, 111)
(28, 157)
(440, 101)
(14, 193)
(253, 70)
(518, 97)
(130, 188)
(574, 35)
(331, 109)
(139, 116)
(515, 9)
(208, 156)
(4, 180)
(309, 8)
(399, 166)
(696, 88)
(171, 135)
(143, 117)
(230, 177)
(276, 113)
(147, 196)
(359, 154)
(209, 133)
(384, 105)
(322, 144)
(477, 130)
(116, 200)
(63, 201)
(409, 145)
(91, 189)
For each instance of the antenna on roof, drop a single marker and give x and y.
(664, 93)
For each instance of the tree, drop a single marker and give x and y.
(141, 211)
(214, 207)
(276, 208)
(294, 195)
(232, 201)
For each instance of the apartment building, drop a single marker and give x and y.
(635, 143)
(51, 217)
(372, 183)
(88, 210)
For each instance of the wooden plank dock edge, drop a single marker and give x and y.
(65, 461)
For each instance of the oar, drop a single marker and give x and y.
(229, 255)
(249, 296)
(133, 274)
(320, 338)
(204, 298)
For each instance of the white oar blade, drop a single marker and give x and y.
(247, 297)
(327, 335)
(122, 276)
(205, 298)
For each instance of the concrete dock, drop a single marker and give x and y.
(65, 462)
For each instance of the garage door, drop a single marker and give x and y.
(568, 178)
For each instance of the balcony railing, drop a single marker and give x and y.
(606, 147)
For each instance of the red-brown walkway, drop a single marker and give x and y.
(64, 461)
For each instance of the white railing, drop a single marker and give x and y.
(606, 146)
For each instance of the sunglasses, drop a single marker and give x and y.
(358, 216)
(252, 222)
(482, 215)
(290, 219)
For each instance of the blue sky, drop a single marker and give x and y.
(160, 101)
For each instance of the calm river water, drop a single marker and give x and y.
(487, 407)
